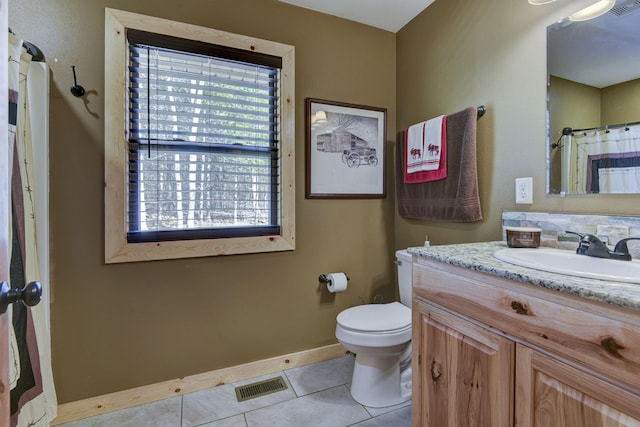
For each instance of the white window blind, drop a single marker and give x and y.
(203, 140)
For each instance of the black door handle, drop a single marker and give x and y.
(30, 295)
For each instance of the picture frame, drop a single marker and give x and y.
(345, 150)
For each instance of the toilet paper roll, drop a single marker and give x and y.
(337, 282)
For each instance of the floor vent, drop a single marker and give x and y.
(261, 388)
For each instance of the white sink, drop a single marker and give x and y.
(572, 264)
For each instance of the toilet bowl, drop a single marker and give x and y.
(380, 336)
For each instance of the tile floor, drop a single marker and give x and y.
(317, 396)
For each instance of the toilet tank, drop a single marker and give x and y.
(405, 268)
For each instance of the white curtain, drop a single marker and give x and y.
(604, 160)
(619, 180)
(33, 399)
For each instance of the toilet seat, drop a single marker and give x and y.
(376, 318)
(375, 325)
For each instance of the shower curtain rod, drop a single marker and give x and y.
(619, 125)
(32, 49)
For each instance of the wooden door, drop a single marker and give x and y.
(465, 372)
(551, 393)
(4, 213)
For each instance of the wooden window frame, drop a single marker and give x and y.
(117, 248)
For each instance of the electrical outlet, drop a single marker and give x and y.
(524, 190)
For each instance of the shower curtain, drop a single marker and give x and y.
(32, 394)
(604, 160)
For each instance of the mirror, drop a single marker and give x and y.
(593, 126)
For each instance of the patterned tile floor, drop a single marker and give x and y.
(317, 396)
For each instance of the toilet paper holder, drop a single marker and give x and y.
(324, 279)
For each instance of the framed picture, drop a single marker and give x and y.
(346, 153)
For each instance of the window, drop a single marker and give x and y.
(203, 147)
(206, 164)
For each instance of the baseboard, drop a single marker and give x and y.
(90, 407)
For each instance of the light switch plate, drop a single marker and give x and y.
(524, 190)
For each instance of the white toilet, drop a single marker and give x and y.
(380, 336)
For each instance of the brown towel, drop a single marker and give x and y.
(454, 199)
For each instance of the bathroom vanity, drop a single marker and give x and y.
(495, 344)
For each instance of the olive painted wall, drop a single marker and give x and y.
(120, 326)
(459, 53)
(116, 327)
(620, 102)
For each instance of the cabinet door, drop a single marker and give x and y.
(551, 393)
(465, 372)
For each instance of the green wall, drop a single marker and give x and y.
(115, 327)
(620, 102)
(459, 53)
(120, 326)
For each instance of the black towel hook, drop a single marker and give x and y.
(76, 89)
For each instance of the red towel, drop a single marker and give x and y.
(432, 175)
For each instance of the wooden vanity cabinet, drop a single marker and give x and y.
(552, 393)
(488, 351)
(466, 372)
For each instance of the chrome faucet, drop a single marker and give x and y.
(591, 245)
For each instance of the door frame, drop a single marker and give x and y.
(4, 212)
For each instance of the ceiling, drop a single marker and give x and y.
(390, 15)
(599, 53)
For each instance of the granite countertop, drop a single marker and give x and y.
(479, 257)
